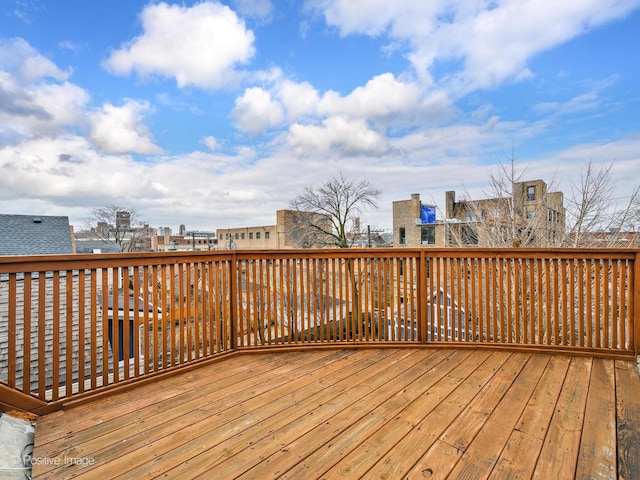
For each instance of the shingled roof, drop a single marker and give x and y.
(34, 234)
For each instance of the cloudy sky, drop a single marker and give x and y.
(215, 114)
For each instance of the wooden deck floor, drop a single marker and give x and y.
(384, 413)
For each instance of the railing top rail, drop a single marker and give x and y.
(43, 263)
(35, 262)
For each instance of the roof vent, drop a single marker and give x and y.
(37, 220)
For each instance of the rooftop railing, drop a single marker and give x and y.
(72, 326)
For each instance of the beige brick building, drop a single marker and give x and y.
(284, 234)
(531, 216)
(409, 227)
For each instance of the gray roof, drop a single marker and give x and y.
(84, 246)
(34, 234)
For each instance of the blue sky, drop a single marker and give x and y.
(216, 114)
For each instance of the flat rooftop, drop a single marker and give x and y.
(359, 413)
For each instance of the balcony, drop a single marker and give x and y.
(306, 364)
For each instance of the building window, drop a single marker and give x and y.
(428, 235)
(266, 235)
(250, 235)
(469, 235)
(403, 237)
(237, 236)
(531, 193)
(257, 235)
(242, 236)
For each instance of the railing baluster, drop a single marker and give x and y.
(157, 318)
(146, 320)
(195, 300)
(539, 301)
(571, 308)
(597, 283)
(27, 335)
(615, 317)
(205, 309)
(68, 364)
(82, 320)
(492, 297)
(582, 316)
(12, 332)
(606, 302)
(126, 326)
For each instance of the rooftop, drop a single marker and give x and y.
(34, 235)
(360, 413)
(327, 363)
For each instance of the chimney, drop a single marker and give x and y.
(167, 238)
(450, 199)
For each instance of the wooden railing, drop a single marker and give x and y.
(75, 325)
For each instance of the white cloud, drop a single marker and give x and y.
(26, 64)
(35, 98)
(381, 98)
(200, 46)
(210, 142)
(298, 99)
(255, 111)
(580, 103)
(118, 130)
(261, 9)
(350, 137)
(68, 176)
(492, 41)
(66, 102)
(63, 169)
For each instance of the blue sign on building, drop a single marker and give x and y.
(427, 214)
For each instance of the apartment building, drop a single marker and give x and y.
(531, 216)
(290, 231)
(256, 237)
(187, 240)
(415, 224)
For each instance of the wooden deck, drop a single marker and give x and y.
(368, 413)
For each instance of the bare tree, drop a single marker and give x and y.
(326, 214)
(327, 211)
(594, 217)
(117, 224)
(585, 216)
(506, 216)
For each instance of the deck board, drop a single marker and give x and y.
(369, 413)
(559, 454)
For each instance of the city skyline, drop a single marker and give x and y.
(216, 114)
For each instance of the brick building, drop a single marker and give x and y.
(288, 232)
(531, 216)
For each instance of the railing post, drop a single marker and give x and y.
(635, 304)
(233, 301)
(422, 295)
